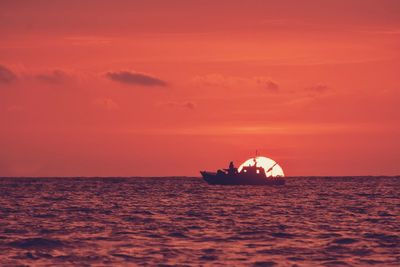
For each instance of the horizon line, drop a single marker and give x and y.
(185, 176)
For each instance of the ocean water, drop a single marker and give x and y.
(328, 221)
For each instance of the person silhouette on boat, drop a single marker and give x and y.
(232, 169)
(231, 165)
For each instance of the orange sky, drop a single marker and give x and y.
(141, 88)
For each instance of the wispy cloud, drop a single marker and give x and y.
(53, 77)
(267, 84)
(135, 78)
(317, 88)
(6, 75)
(106, 103)
(185, 105)
(255, 130)
(88, 40)
(218, 80)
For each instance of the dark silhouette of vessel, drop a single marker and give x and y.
(248, 175)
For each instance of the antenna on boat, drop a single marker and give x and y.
(255, 159)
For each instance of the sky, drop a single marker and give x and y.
(164, 88)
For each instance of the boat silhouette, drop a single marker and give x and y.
(248, 175)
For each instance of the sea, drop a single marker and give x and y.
(182, 221)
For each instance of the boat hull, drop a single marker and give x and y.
(239, 179)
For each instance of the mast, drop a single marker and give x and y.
(255, 159)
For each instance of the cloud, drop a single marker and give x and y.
(6, 75)
(135, 78)
(317, 88)
(106, 103)
(267, 83)
(218, 80)
(54, 77)
(185, 105)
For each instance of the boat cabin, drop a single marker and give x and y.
(253, 170)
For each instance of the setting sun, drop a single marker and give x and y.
(270, 166)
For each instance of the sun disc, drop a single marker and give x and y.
(266, 164)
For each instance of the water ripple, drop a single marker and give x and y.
(335, 221)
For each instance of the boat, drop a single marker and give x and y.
(248, 175)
